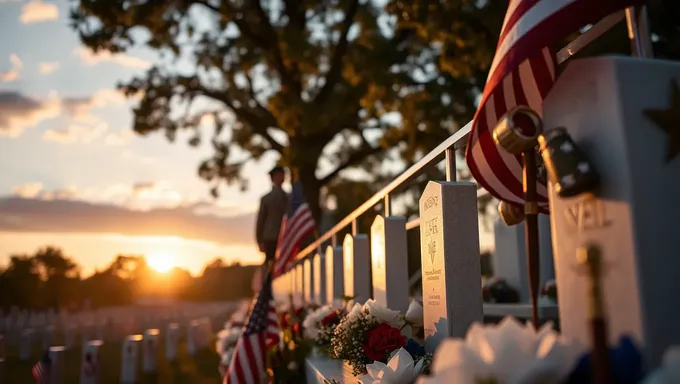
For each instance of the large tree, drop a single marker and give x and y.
(327, 85)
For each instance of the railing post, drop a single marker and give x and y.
(450, 164)
(388, 205)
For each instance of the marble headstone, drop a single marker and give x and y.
(634, 217)
(309, 280)
(171, 341)
(510, 260)
(89, 368)
(130, 357)
(335, 280)
(57, 357)
(357, 267)
(300, 281)
(450, 262)
(389, 262)
(319, 265)
(150, 350)
(26, 344)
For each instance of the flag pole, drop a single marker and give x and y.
(638, 31)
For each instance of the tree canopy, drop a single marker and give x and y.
(326, 85)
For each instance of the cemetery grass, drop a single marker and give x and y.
(201, 369)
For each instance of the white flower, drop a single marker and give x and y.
(227, 338)
(355, 313)
(384, 314)
(669, 373)
(401, 369)
(311, 323)
(414, 313)
(509, 353)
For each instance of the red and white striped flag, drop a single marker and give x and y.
(296, 226)
(41, 370)
(522, 73)
(248, 363)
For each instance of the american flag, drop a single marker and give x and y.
(523, 71)
(297, 224)
(41, 370)
(248, 363)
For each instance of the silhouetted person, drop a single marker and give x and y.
(273, 207)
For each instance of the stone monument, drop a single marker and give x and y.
(389, 262)
(625, 114)
(357, 267)
(450, 262)
(335, 280)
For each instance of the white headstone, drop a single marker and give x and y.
(389, 262)
(319, 279)
(335, 280)
(171, 341)
(634, 217)
(128, 372)
(26, 344)
(510, 260)
(89, 365)
(149, 350)
(299, 281)
(192, 338)
(309, 280)
(357, 267)
(450, 262)
(57, 357)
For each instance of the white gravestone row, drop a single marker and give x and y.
(357, 267)
(389, 262)
(510, 260)
(171, 341)
(89, 365)
(450, 263)
(308, 281)
(130, 352)
(319, 267)
(150, 350)
(334, 273)
(633, 219)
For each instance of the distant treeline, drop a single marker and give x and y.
(50, 279)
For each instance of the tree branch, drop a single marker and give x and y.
(258, 123)
(353, 159)
(335, 70)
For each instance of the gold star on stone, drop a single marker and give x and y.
(669, 120)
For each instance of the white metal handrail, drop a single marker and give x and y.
(447, 150)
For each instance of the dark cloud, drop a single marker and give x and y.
(18, 111)
(34, 215)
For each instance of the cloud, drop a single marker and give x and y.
(76, 133)
(91, 58)
(21, 214)
(15, 68)
(48, 67)
(35, 11)
(28, 190)
(121, 137)
(18, 112)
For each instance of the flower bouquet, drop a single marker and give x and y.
(372, 336)
(320, 324)
(497, 290)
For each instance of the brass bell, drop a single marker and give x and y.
(518, 130)
(567, 165)
(510, 214)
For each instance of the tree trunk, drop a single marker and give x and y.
(312, 191)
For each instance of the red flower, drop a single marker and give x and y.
(382, 340)
(332, 318)
(296, 329)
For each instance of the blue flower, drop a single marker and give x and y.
(414, 348)
(626, 363)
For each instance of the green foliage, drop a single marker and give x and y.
(50, 279)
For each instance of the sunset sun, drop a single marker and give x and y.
(160, 262)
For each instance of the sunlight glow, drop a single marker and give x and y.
(160, 262)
